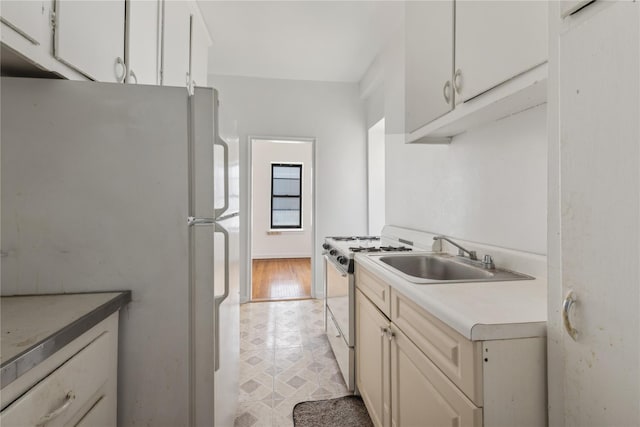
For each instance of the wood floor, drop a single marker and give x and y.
(281, 279)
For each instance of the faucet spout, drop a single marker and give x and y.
(461, 251)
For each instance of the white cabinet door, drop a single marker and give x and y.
(372, 360)
(199, 52)
(26, 17)
(143, 41)
(89, 37)
(599, 135)
(422, 395)
(495, 41)
(176, 46)
(429, 61)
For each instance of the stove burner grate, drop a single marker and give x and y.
(357, 249)
(351, 238)
(364, 249)
(395, 249)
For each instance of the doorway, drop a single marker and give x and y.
(282, 219)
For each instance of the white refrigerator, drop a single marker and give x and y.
(110, 187)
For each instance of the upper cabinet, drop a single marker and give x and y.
(429, 61)
(200, 42)
(89, 37)
(28, 18)
(144, 21)
(495, 41)
(471, 62)
(176, 44)
(133, 41)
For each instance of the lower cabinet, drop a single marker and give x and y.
(421, 394)
(372, 360)
(75, 386)
(413, 370)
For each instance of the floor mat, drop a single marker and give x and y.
(341, 412)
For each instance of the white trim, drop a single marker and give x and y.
(314, 211)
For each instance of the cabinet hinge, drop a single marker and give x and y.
(52, 19)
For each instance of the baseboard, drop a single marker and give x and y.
(281, 256)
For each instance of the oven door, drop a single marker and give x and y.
(340, 295)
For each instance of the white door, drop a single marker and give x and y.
(495, 41)
(600, 216)
(89, 37)
(143, 41)
(429, 61)
(176, 44)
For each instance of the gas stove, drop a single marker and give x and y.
(341, 250)
(340, 293)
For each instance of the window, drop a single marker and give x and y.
(286, 195)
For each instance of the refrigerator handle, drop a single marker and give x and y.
(218, 300)
(225, 147)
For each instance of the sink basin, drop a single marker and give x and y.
(438, 268)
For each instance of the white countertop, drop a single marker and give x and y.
(29, 320)
(478, 310)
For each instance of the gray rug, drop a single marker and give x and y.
(344, 411)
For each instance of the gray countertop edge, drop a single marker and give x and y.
(18, 365)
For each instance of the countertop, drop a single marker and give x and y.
(36, 326)
(478, 310)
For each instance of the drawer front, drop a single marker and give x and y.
(457, 357)
(374, 289)
(421, 394)
(69, 389)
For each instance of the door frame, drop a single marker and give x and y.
(252, 139)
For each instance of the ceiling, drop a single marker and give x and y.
(300, 40)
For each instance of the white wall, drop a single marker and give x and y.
(332, 113)
(281, 243)
(376, 177)
(489, 185)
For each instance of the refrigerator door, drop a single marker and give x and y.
(95, 197)
(227, 252)
(201, 255)
(226, 268)
(227, 170)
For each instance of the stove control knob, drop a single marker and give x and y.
(326, 246)
(342, 259)
(333, 252)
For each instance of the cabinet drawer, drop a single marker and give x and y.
(374, 289)
(83, 377)
(457, 357)
(421, 394)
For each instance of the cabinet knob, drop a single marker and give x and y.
(132, 76)
(457, 81)
(383, 331)
(446, 91)
(391, 335)
(120, 77)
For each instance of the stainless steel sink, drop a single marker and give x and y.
(440, 268)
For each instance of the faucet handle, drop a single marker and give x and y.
(487, 262)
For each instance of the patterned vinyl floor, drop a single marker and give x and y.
(285, 358)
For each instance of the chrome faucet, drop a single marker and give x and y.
(487, 262)
(472, 254)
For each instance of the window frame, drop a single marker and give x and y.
(299, 197)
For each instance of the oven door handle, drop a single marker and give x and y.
(343, 272)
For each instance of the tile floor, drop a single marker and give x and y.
(285, 358)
